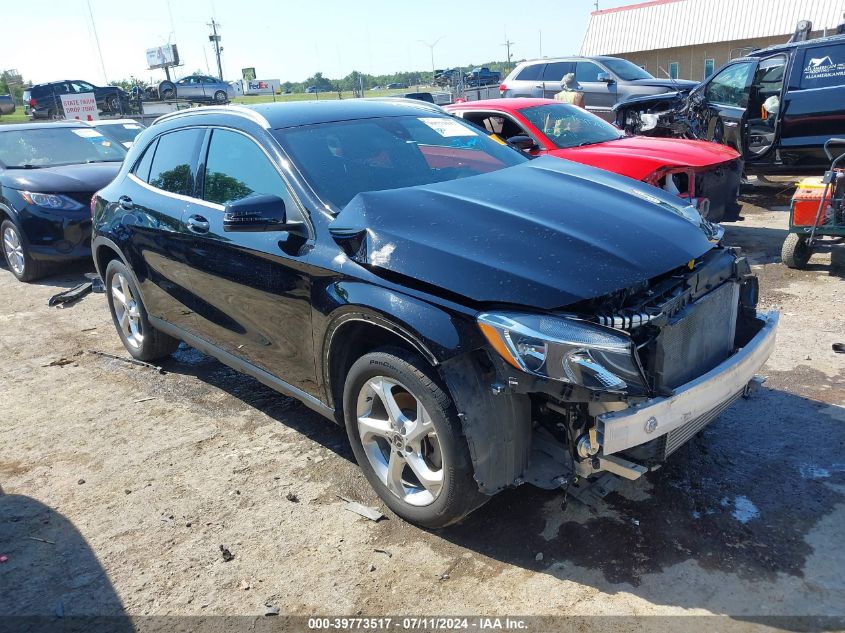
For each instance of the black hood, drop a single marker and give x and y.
(65, 179)
(672, 84)
(544, 234)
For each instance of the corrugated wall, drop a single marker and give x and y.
(675, 23)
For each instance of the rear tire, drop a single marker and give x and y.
(425, 472)
(220, 97)
(129, 315)
(795, 252)
(16, 253)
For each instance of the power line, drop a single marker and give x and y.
(97, 40)
(508, 44)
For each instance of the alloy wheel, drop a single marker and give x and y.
(127, 311)
(13, 248)
(400, 441)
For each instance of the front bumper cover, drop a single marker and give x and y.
(643, 422)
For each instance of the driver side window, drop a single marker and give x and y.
(730, 86)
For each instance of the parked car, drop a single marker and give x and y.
(316, 89)
(197, 88)
(483, 77)
(43, 101)
(48, 173)
(777, 107)
(398, 85)
(704, 174)
(605, 81)
(360, 256)
(7, 104)
(123, 131)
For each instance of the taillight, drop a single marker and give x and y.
(33, 103)
(502, 88)
(93, 205)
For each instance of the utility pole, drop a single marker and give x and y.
(217, 50)
(508, 44)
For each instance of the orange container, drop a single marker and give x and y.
(805, 202)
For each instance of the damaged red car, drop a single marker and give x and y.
(706, 174)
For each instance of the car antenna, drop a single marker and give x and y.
(671, 78)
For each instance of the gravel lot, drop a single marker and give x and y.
(120, 484)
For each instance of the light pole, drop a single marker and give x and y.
(431, 46)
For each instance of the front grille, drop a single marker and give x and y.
(82, 198)
(680, 436)
(696, 339)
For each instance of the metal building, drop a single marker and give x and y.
(688, 39)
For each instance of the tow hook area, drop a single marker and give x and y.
(753, 385)
(621, 467)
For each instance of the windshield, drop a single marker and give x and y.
(52, 146)
(342, 159)
(625, 70)
(570, 126)
(124, 133)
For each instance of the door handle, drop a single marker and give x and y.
(198, 224)
(731, 124)
(125, 203)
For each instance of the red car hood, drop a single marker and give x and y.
(639, 156)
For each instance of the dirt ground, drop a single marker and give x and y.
(120, 485)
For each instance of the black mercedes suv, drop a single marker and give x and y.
(474, 318)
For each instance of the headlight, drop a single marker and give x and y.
(568, 350)
(49, 200)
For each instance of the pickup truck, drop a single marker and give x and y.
(482, 77)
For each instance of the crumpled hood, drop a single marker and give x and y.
(543, 234)
(640, 156)
(65, 179)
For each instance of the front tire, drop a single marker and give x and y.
(407, 439)
(167, 91)
(130, 317)
(795, 252)
(220, 97)
(17, 255)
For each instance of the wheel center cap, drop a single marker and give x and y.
(398, 441)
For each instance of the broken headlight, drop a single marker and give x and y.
(564, 349)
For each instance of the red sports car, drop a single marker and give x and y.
(708, 174)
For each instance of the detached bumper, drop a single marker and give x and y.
(694, 404)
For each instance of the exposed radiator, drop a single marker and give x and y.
(696, 339)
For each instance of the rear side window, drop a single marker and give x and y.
(174, 165)
(236, 168)
(824, 66)
(531, 72)
(556, 71)
(142, 169)
(587, 71)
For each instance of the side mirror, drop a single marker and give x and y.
(605, 77)
(522, 142)
(255, 213)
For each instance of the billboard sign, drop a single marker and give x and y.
(248, 74)
(261, 86)
(162, 56)
(82, 107)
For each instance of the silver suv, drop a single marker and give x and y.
(604, 80)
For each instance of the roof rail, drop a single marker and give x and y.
(238, 110)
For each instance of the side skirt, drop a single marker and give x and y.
(244, 367)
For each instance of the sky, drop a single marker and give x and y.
(54, 39)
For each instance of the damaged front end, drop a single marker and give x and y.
(662, 115)
(615, 384)
(713, 190)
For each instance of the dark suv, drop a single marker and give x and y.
(777, 107)
(476, 319)
(44, 101)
